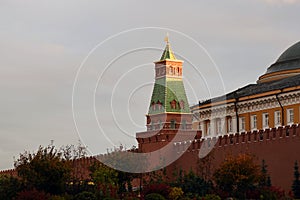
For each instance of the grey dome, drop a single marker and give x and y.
(288, 60)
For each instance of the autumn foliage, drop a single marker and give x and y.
(237, 175)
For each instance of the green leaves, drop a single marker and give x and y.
(45, 170)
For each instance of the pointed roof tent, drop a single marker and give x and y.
(168, 94)
(168, 53)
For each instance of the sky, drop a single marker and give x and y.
(83, 70)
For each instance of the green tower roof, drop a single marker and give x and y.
(168, 96)
(168, 53)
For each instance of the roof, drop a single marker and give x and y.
(258, 88)
(168, 53)
(165, 91)
(288, 60)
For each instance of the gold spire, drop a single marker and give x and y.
(168, 53)
(167, 38)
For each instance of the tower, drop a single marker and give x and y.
(169, 113)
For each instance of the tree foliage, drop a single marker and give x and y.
(45, 170)
(237, 175)
(265, 180)
(296, 182)
(32, 194)
(9, 187)
(192, 184)
(154, 196)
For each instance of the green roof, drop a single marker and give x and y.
(168, 53)
(170, 94)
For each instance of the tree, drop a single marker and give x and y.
(9, 187)
(237, 175)
(265, 180)
(105, 178)
(296, 182)
(46, 170)
(194, 185)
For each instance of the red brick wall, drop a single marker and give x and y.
(279, 150)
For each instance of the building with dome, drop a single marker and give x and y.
(274, 101)
(260, 119)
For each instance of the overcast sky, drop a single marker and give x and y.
(106, 50)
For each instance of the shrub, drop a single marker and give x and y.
(161, 189)
(212, 197)
(32, 195)
(154, 196)
(175, 193)
(85, 196)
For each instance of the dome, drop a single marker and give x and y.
(288, 64)
(289, 59)
(291, 53)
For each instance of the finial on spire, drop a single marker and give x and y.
(167, 38)
(168, 53)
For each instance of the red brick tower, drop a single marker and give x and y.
(169, 119)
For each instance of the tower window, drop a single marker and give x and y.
(173, 104)
(159, 105)
(173, 124)
(171, 71)
(153, 106)
(181, 104)
(160, 124)
(184, 124)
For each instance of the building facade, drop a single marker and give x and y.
(272, 102)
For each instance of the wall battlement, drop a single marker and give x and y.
(261, 136)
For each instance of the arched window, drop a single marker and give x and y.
(153, 106)
(159, 105)
(181, 104)
(171, 71)
(173, 104)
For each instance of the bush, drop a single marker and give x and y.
(9, 187)
(85, 196)
(212, 197)
(161, 189)
(56, 197)
(32, 195)
(154, 196)
(175, 193)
